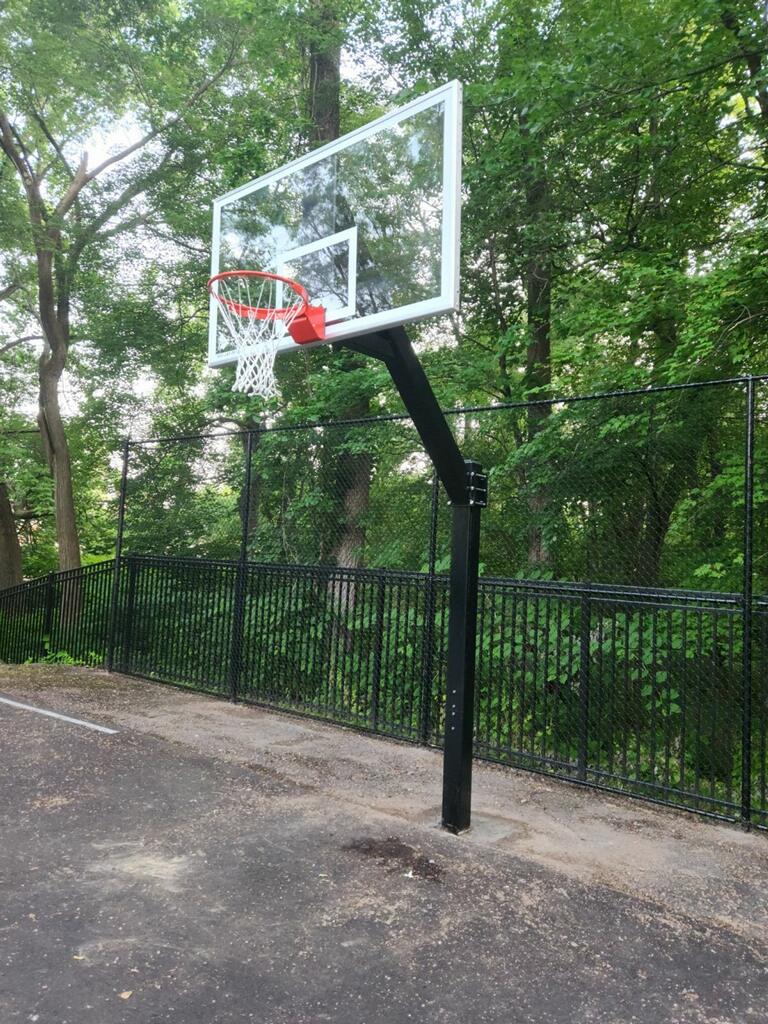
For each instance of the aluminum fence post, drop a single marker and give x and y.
(115, 597)
(377, 652)
(126, 662)
(50, 593)
(746, 610)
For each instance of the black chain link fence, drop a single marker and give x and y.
(352, 495)
(623, 611)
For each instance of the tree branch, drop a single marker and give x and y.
(38, 118)
(124, 153)
(22, 149)
(11, 150)
(129, 193)
(29, 515)
(7, 292)
(80, 179)
(124, 225)
(198, 250)
(83, 176)
(19, 341)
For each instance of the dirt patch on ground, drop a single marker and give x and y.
(397, 856)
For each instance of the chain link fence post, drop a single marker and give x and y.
(115, 597)
(238, 608)
(425, 723)
(746, 653)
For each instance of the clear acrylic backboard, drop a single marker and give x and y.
(368, 224)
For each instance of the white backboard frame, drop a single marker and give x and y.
(448, 299)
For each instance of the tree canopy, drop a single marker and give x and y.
(614, 232)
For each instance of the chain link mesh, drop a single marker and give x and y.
(623, 616)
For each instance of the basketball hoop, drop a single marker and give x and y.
(257, 324)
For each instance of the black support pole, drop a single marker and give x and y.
(467, 489)
(395, 350)
(460, 671)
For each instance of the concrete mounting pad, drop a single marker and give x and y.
(212, 863)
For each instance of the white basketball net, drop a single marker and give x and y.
(256, 335)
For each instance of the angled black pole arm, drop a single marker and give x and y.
(395, 350)
(466, 487)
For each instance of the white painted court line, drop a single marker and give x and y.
(55, 714)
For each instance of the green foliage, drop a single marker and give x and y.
(621, 145)
(94, 659)
(150, 92)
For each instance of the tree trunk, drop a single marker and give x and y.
(752, 53)
(54, 280)
(353, 474)
(59, 463)
(652, 540)
(353, 471)
(323, 94)
(53, 294)
(10, 549)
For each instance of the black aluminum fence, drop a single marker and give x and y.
(629, 689)
(361, 647)
(63, 616)
(620, 641)
(625, 688)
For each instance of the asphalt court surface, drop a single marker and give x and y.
(145, 879)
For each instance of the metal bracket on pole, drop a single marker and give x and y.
(467, 488)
